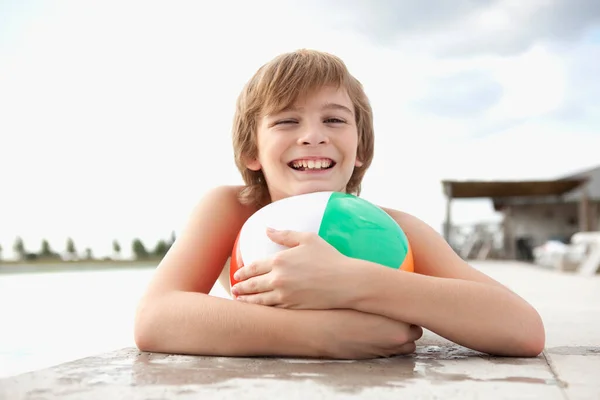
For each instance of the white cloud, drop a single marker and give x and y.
(465, 28)
(115, 117)
(534, 84)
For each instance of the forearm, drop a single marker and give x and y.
(476, 315)
(200, 324)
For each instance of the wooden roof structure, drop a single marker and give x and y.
(498, 189)
(580, 188)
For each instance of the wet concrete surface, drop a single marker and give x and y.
(438, 369)
(433, 371)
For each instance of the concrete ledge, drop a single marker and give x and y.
(432, 372)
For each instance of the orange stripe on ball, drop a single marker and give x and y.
(408, 263)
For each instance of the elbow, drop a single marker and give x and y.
(144, 332)
(537, 344)
(143, 340)
(533, 340)
(533, 347)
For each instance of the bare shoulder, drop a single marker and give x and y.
(432, 254)
(203, 246)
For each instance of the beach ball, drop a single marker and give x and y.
(354, 226)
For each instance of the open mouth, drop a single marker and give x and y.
(318, 164)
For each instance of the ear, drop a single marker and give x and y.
(358, 163)
(253, 165)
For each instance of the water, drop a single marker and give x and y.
(55, 317)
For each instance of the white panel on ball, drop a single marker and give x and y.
(302, 213)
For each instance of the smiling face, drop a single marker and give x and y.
(302, 124)
(310, 146)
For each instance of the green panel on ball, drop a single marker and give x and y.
(359, 229)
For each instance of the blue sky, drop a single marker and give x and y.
(115, 115)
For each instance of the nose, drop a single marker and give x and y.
(313, 134)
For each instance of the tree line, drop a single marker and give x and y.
(139, 249)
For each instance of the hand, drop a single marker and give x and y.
(350, 334)
(312, 274)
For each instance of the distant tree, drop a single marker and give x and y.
(71, 247)
(19, 248)
(46, 250)
(139, 250)
(88, 254)
(172, 238)
(0, 252)
(161, 248)
(116, 247)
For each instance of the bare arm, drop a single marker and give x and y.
(449, 297)
(177, 315)
(196, 323)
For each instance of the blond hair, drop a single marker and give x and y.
(275, 86)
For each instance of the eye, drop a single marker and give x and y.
(286, 122)
(334, 121)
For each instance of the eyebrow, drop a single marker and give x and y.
(326, 106)
(336, 106)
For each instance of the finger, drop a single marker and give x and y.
(415, 333)
(255, 269)
(406, 348)
(288, 238)
(257, 284)
(263, 299)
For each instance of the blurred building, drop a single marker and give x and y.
(533, 213)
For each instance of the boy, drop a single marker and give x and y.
(304, 124)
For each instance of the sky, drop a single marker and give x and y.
(115, 116)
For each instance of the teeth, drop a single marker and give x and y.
(312, 164)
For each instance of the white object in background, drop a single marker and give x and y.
(591, 264)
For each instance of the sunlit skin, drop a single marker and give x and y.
(286, 304)
(321, 126)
